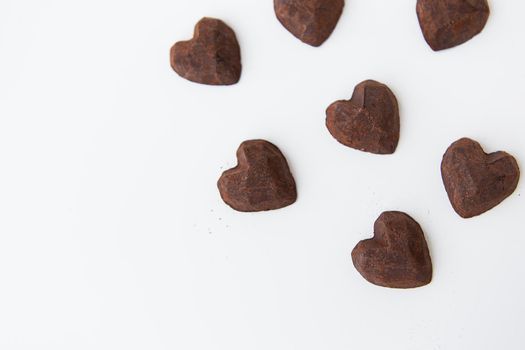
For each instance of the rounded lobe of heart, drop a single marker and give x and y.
(448, 23)
(261, 181)
(311, 21)
(212, 57)
(476, 181)
(397, 256)
(369, 121)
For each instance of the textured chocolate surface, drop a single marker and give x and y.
(369, 121)
(212, 57)
(448, 23)
(397, 256)
(261, 180)
(311, 21)
(475, 181)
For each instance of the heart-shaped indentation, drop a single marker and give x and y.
(397, 256)
(448, 23)
(476, 181)
(311, 21)
(261, 180)
(369, 121)
(212, 57)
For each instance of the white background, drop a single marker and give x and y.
(112, 231)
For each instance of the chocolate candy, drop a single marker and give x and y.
(475, 181)
(397, 256)
(212, 57)
(260, 181)
(311, 21)
(369, 121)
(448, 23)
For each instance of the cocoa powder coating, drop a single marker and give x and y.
(397, 256)
(476, 181)
(212, 57)
(448, 23)
(311, 21)
(369, 121)
(261, 180)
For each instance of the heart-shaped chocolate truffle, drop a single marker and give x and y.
(212, 57)
(369, 121)
(448, 23)
(311, 21)
(260, 181)
(397, 256)
(475, 181)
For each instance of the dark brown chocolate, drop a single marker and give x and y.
(369, 121)
(448, 23)
(397, 256)
(475, 181)
(212, 57)
(311, 21)
(260, 181)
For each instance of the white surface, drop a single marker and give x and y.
(112, 231)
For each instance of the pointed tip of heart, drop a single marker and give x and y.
(261, 181)
(211, 57)
(397, 256)
(475, 181)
